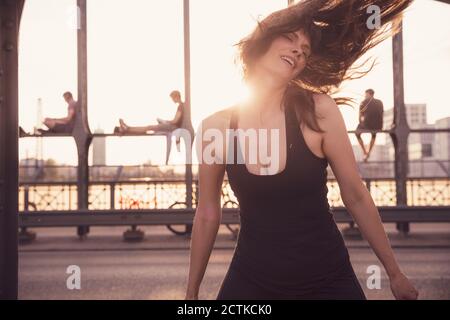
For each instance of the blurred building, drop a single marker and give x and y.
(420, 145)
(380, 152)
(428, 152)
(442, 140)
(99, 150)
(416, 115)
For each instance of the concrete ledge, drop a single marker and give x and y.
(429, 235)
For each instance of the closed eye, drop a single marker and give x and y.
(287, 37)
(306, 53)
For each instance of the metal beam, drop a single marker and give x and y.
(187, 101)
(81, 133)
(10, 12)
(185, 216)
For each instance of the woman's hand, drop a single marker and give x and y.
(402, 288)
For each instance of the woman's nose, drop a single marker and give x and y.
(296, 52)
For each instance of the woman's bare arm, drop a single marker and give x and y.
(356, 197)
(207, 217)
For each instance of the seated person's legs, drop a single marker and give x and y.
(50, 123)
(162, 126)
(61, 128)
(361, 142)
(371, 144)
(56, 127)
(124, 128)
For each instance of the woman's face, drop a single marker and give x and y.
(286, 56)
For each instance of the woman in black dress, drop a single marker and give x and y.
(289, 246)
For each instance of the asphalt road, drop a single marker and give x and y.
(162, 274)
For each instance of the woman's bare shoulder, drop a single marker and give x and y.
(326, 109)
(219, 119)
(323, 102)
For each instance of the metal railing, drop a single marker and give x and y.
(162, 202)
(162, 194)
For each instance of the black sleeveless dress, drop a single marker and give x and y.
(289, 246)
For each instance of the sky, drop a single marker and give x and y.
(135, 59)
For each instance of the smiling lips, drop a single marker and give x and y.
(289, 60)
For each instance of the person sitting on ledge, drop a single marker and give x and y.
(370, 118)
(163, 125)
(66, 124)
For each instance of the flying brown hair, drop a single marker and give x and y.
(339, 35)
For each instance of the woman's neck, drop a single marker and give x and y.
(266, 94)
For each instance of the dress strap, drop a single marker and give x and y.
(293, 123)
(233, 119)
(232, 154)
